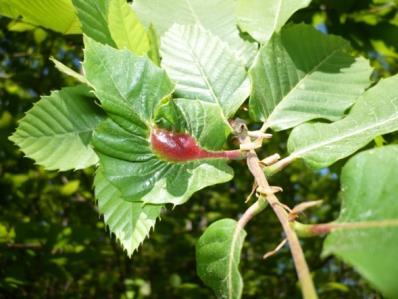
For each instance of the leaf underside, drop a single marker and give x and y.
(375, 113)
(215, 16)
(131, 89)
(218, 254)
(126, 29)
(261, 18)
(57, 15)
(369, 184)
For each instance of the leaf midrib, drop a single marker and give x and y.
(277, 14)
(204, 76)
(58, 134)
(306, 76)
(125, 100)
(231, 258)
(193, 13)
(315, 146)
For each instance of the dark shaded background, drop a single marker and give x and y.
(53, 243)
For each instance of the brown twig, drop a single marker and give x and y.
(253, 162)
(307, 285)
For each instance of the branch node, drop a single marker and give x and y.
(270, 160)
(269, 190)
(259, 134)
(254, 188)
(300, 208)
(250, 146)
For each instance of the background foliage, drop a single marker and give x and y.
(53, 243)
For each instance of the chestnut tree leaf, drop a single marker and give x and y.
(130, 222)
(303, 74)
(126, 29)
(215, 16)
(204, 68)
(375, 113)
(59, 15)
(261, 18)
(369, 195)
(57, 131)
(217, 257)
(93, 16)
(134, 93)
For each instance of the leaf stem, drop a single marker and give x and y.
(252, 211)
(281, 164)
(313, 230)
(307, 285)
(234, 155)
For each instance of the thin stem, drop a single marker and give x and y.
(252, 211)
(281, 164)
(233, 154)
(307, 285)
(313, 230)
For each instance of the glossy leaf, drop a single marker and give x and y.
(302, 74)
(93, 16)
(140, 174)
(375, 113)
(369, 186)
(261, 18)
(57, 15)
(126, 29)
(57, 131)
(130, 89)
(204, 68)
(130, 222)
(218, 255)
(206, 13)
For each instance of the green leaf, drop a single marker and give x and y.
(131, 165)
(154, 45)
(130, 222)
(369, 185)
(93, 15)
(204, 68)
(68, 71)
(56, 132)
(131, 89)
(39, 35)
(19, 26)
(218, 256)
(261, 18)
(126, 29)
(57, 15)
(375, 113)
(201, 119)
(206, 13)
(69, 188)
(302, 74)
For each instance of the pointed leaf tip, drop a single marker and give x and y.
(61, 143)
